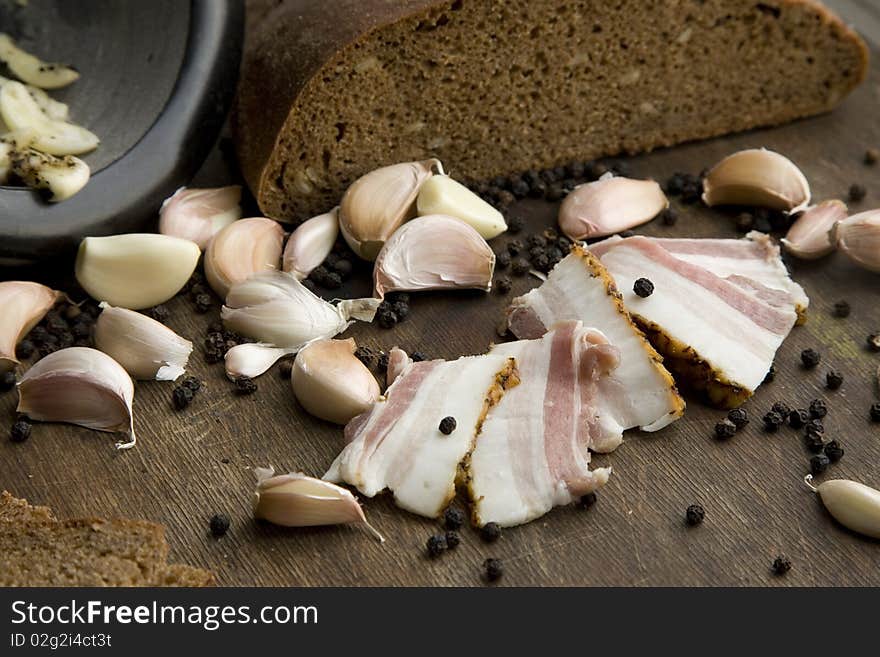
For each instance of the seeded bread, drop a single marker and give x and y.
(331, 90)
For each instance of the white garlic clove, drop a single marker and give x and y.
(243, 248)
(398, 361)
(24, 304)
(434, 252)
(20, 112)
(441, 194)
(376, 204)
(859, 238)
(82, 386)
(757, 177)
(853, 505)
(610, 205)
(52, 108)
(145, 348)
(136, 270)
(310, 244)
(331, 383)
(199, 214)
(58, 177)
(810, 235)
(275, 308)
(252, 359)
(295, 500)
(33, 70)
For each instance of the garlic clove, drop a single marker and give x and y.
(331, 383)
(82, 386)
(434, 252)
(610, 205)
(757, 177)
(398, 361)
(853, 505)
(145, 348)
(310, 244)
(252, 359)
(241, 249)
(441, 194)
(137, 270)
(20, 111)
(858, 237)
(810, 235)
(33, 70)
(24, 304)
(52, 108)
(199, 214)
(376, 204)
(59, 177)
(295, 500)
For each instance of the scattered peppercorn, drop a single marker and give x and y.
(382, 362)
(503, 285)
(725, 429)
(82, 330)
(490, 532)
(745, 222)
(343, 267)
(841, 309)
(818, 464)
(627, 233)
(815, 425)
(810, 358)
(782, 408)
(874, 342)
(203, 303)
(669, 216)
(181, 397)
(813, 442)
(213, 355)
(245, 385)
(502, 260)
(519, 188)
(872, 156)
(762, 222)
(7, 381)
(694, 514)
(219, 524)
(781, 565)
(521, 267)
(515, 225)
(515, 247)
(401, 309)
(21, 431)
(798, 418)
(738, 416)
(555, 192)
(365, 355)
(772, 421)
(834, 451)
(494, 569)
(436, 545)
(192, 383)
(818, 409)
(771, 374)
(643, 287)
(418, 356)
(588, 500)
(453, 518)
(160, 313)
(285, 368)
(875, 412)
(833, 380)
(25, 349)
(857, 192)
(387, 319)
(447, 425)
(452, 539)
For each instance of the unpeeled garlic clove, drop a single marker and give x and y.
(59, 177)
(278, 310)
(310, 244)
(376, 204)
(33, 70)
(145, 348)
(810, 235)
(441, 194)
(252, 359)
(610, 205)
(434, 252)
(79, 385)
(331, 383)
(757, 177)
(853, 505)
(243, 248)
(136, 270)
(199, 214)
(24, 304)
(295, 500)
(859, 238)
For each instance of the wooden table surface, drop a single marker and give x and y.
(189, 465)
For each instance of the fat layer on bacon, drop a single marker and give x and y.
(640, 392)
(533, 450)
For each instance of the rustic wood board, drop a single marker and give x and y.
(190, 465)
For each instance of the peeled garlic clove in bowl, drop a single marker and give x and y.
(33, 70)
(136, 270)
(810, 235)
(377, 203)
(440, 194)
(858, 237)
(331, 383)
(199, 214)
(757, 177)
(610, 205)
(310, 244)
(434, 252)
(58, 177)
(24, 304)
(240, 250)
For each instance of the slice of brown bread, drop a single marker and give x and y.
(331, 90)
(15, 510)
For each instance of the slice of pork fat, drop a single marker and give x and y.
(397, 444)
(533, 450)
(640, 392)
(717, 334)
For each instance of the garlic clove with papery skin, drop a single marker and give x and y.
(296, 500)
(252, 359)
(242, 249)
(310, 244)
(858, 237)
(199, 214)
(441, 194)
(33, 70)
(79, 385)
(23, 305)
(377, 203)
(757, 177)
(331, 383)
(610, 205)
(398, 361)
(434, 252)
(145, 348)
(810, 235)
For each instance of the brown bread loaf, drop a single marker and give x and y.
(331, 90)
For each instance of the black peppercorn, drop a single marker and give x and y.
(675, 184)
(694, 514)
(453, 518)
(762, 223)
(521, 267)
(81, 330)
(818, 464)
(834, 451)
(401, 309)
(643, 287)
(365, 355)
(813, 442)
(515, 247)
(627, 233)
(436, 545)
(798, 418)
(519, 188)
(818, 409)
(7, 381)
(841, 309)
(447, 425)
(25, 349)
(833, 380)
(245, 386)
(515, 225)
(542, 263)
(203, 303)
(745, 222)
(219, 524)
(875, 412)
(332, 281)
(594, 170)
(781, 565)
(181, 397)
(555, 192)
(502, 260)
(192, 383)
(725, 429)
(536, 241)
(588, 500)
(343, 267)
(574, 170)
(21, 431)
(490, 532)
(874, 342)
(503, 285)
(285, 368)
(739, 417)
(564, 244)
(669, 216)
(782, 408)
(387, 319)
(213, 355)
(160, 313)
(39, 335)
(857, 192)
(494, 569)
(772, 421)
(452, 539)
(810, 358)
(418, 356)
(771, 374)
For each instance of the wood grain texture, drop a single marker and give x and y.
(756, 504)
